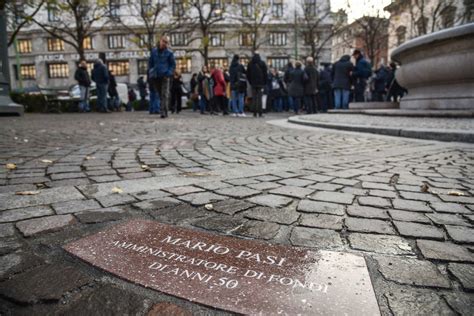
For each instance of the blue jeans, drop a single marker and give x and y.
(102, 97)
(84, 103)
(202, 103)
(277, 104)
(341, 99)
(237, 102)
(154, 106)
(291, 103)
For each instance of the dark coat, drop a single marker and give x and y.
(194, 84)
(141, 87)
(237, 76)
(275, 86)
(341, 73)
(325, 80)
(362, 68)
(312, 84)
(100, 74)
(257, 72)
(177, 86)
(380, 80)
(112, 86)
(82, 77)
(296, 88)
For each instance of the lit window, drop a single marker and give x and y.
(247, 8)
(179, 39)
(87, 43)
(58, 70)
(278, 39)
(119, 68)
(222, 62)
(28, 72)
(24, 46)
(246, 39)
(178, 8)
(55, 45)
(277, 8)
(183, 64)
(278, 62)
(116, 41)
(143, 67)
(216, 39)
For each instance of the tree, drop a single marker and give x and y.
(373, 33)
(428, 16)
(73, 21)
(20, 14)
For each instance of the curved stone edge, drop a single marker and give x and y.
(429, 134)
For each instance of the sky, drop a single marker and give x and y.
(360, 7)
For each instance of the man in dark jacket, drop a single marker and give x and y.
(394, 91)
(161, 67)
(311, 87)
(141, 84)
(257, 76)
(342, 82)
(325, 82)
(100, 75)
(361, 73)
(238, 86)
(296, 88)
(84, 82)
(380, 84)
(113, 93)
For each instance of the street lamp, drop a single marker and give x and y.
(7, 106)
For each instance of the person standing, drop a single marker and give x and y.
(342, 82)
(394, 91)
(238, 86)
(361, 73)
(194, 92)
(380, 84)
(142, 91)
(311, 87)
(204, 89)
(161, 67)
(176, 92)
(219, 90)
(289, 104)
(84, 82)
(275, 87)
(257, 75)
(100, 75)
(113, 93)
(296, 88)
(325, 82)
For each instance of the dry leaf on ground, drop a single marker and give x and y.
(11, 166)
(117, 190)
(209, 207)
(47, 161)
(27, 192)
(455, 193)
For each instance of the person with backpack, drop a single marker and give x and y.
(311, 87)
(257, 76)
(238, 86)
(84, 82)
(360, 74)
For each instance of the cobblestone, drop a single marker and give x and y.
(464, 273)
(460, 234)
(369, 226)
(444, 251)
(419, 230)
(385, 244)
(320, 207)
(47, 224)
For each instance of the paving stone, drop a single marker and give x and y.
(32, 180)
(215, 185)
(258, 230)
(457, 199)
(14, 263)
(283, 216)
(407, 216)
(116, 199)
(377, 186)
(238, 192)
(267, 178)
(427, 197)
(101, 172)
(374, 201)
(320, 207)
(264, 186)
(110, 178)
(149, 205)
(47, 224)
(296, 182)
(75, 206)
(354, 191)
(138, 175)
(318, 178)
(316, 238)
(416, 302)
(322, 221)
(335, 197)
(202, 198)
(64, 176)
(108, 300)
(8, 245)
(464, 273)
(231, 206)
(415, 206)
(292, 191)
(367, 211)
(271, 200)
(369, 226)
(384, 194)
(101, 215)
(410, 188)
(345, 181)
(7, 230)
(447, 219)
(25, 213)
(183, 190)
(178, 213)
(242, 181)
(150, 195)
(17, 188)
(44, 283)
(220, 223)
(449, 208)
(461, 234)
(386, 244)
(165, 309)
(412, 272)
(326, 187)
(444, 251)
(63, 168)
(418, 230)
(460, 302)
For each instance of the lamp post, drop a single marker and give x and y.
(7, 106)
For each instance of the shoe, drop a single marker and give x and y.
(243, 115)
(225, 113)
(235, 114)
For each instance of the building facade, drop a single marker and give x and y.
(47, 61)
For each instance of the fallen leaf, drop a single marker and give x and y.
(40, 185)
(455, 193)
(424, 188)
(101, 123)
(261, 159)
(242, 161)
(196, 174)
(209, 207)
(47, 161)
(145, 168)
(117, 190)
(115, 139)
(27, 192)
(25, 140)
(89, 157)
(11, 166)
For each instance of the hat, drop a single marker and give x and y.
(356, 51)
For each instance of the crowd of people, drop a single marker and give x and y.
(300, 87)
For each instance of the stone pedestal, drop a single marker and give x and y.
(373, 105)
(438, 70)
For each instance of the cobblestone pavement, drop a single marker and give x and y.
(406, 205)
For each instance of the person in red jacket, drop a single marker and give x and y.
(219, 90)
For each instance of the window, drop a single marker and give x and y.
(179, 39)
(143, 67)
(146, 6)
(24, 46)
(246, 39)
(247, 8)
(216, 7)
(53, 13)
(310, 8)
(277, 8)
(114, 8)
(28, 72)
(142, 40)
(422, 25)
(178, 8)
(58, 70)
(18, 10)
(309, 38)
(223, 62)
(87, 42)
(119, 68)
(216, 39)
(448, 14)
(116, 41)
(278, 39)
(278, 62)
(55, 45)
(183, 64)
(401, 34)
